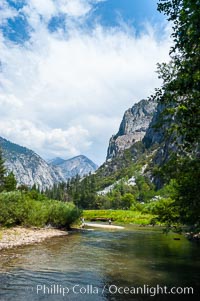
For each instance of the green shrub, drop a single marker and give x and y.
(164, 209)
(18, 208)
(14, 208)
(37, 215)
(62, 214)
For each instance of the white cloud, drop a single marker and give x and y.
(47, 141)
(45, 8)
(8, 101)
(74, 90)
(35, 9)
(75, 8)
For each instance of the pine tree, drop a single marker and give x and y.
(10, 182)
(2, 172)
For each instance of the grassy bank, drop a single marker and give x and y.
(120, 216)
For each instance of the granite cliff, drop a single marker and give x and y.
(143, 137)
(29, 168)
(133, 127)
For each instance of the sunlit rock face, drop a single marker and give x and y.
(133, 127)
(29, 168)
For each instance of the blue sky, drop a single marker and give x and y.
(132, 11)
(109, 13)
(70, 68)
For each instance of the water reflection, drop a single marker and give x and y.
(100, 259)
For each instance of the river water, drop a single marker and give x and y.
(130, 264)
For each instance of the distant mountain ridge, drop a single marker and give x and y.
(56, 161)
(29, 168)
(79, 165)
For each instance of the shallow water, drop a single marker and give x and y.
(101, 265)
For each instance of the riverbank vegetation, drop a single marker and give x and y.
(119, 216)
(20, 208)
(139, 203)
(28, 207)
(158, 209)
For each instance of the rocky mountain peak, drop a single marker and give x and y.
(133, 127)
(56, 161)
(79, 165)
(29, 168)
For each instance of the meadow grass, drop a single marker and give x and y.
(120, 216)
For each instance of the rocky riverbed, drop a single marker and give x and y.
(19, 236)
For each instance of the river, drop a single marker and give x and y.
(102, 265)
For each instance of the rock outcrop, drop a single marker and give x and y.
(159, 139)
(133, 127)
(147, 122)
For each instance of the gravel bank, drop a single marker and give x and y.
(19, 236)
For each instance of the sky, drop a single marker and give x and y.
(70, 68)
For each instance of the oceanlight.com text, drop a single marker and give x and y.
(148, 290)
